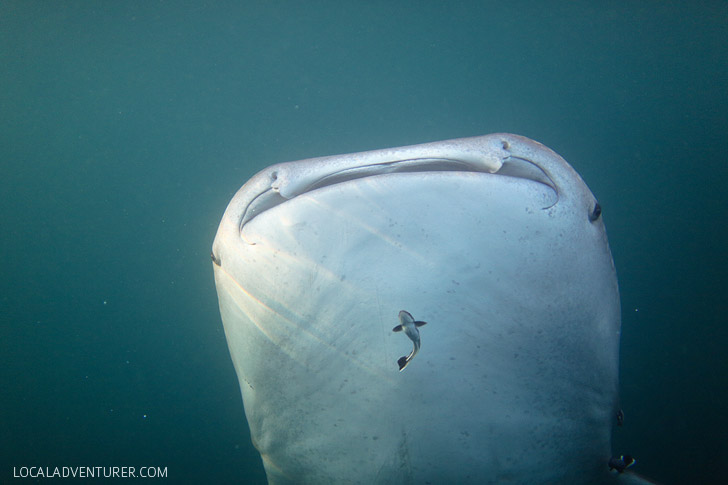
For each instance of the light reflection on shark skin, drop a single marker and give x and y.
(497, 242)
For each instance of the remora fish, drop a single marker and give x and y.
(409, 325)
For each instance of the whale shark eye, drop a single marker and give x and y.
(595, 213)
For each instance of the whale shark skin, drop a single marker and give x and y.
(497, 243)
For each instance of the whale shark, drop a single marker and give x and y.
(498, 243)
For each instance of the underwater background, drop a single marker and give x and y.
(126, 127)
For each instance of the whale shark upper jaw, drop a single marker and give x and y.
(492, 155)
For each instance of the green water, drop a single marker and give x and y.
(125, 128)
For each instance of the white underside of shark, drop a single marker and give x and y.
(497, 243)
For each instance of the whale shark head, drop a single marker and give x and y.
(496, 242)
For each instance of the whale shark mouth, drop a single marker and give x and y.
(278, 192)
